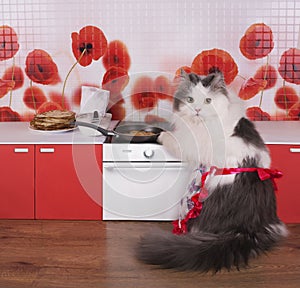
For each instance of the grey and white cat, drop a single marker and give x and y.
(238, 220)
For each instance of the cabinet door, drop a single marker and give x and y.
(286, 158)
(17, 181)
(69, 182)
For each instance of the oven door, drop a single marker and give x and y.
(143, 190)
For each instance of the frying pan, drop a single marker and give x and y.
(122, 132)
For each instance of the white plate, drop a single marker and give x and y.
(53, 131)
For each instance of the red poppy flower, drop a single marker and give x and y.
(27, 117)
(207, 61)
(144, 100)
(289, 67)
(118, 111)
(76, 96)
(153, 119)
(162, 87)
(115, 99)
(187, 69)
(143, 95)
(93, 40)
(269, 73)
(9, 45)
(257, 41)
(56, 97)
(6, 86)
(255, 114)
(285, 97)
(251, 87)
(49, 106)
(40, 68)
(7, 115)
(15, 74)
(116, 55)
(294, 111)
(115, 79)
(34, 97)
(279, 116)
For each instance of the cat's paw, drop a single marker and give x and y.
(161, 137)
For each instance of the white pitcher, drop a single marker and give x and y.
(93, 101)
(93, 105)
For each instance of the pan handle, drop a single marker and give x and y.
(98, 128)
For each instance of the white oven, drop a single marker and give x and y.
(142, 182)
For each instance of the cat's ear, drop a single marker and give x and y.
(184, 74)
(215, 81)
(194, 78)
(208, 80)
(191, 77)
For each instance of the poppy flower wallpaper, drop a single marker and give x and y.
(93, 40)
(136, 50)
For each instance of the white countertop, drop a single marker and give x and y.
(272, 132)
(279, 132)
(20, 133)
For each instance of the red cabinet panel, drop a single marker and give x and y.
(68, 182)
(17, 181)
(286, 158)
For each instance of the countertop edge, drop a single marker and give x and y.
(17, 133)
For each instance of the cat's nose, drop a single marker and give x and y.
(197, 110)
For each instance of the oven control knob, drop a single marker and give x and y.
(149, 153)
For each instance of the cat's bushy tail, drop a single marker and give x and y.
(204, 251)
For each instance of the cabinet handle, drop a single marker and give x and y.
(47, 150)
(295, 150)
(21, 150)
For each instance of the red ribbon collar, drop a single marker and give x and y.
(263, 173)
(180, 226)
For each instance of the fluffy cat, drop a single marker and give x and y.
(238, 220)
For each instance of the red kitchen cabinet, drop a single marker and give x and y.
(69, 182)
(286, 158)
(17, 181)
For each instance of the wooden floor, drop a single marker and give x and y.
(99, 254)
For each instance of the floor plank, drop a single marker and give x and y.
(100, 254)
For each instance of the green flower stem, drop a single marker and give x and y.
(12, 78)
(285, 99)
(244, 78)
(265, 77)
(65, 82)
(33, 99)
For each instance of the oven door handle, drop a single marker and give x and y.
(121, 165)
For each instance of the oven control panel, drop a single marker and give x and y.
(123, 152)
(149, 153)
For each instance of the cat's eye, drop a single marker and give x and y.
(207, 100)
(189, 99)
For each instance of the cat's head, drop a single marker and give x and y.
(201, 96)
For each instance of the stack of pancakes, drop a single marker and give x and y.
(53, 120)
